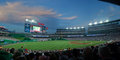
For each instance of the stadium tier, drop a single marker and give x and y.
(3, 31)
(80, 31)
(110, 27)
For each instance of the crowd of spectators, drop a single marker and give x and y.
(107, 51)
(97, 38)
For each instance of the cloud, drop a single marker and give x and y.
(69, 18)
(59, 14)
(16, 12)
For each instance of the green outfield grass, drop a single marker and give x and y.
(53, 45)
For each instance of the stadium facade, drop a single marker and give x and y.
(110, 27)
(3, 31)
(100, 28)
(105, 28)
(79, 31)
(70, 32)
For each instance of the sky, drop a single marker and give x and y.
(55, 13)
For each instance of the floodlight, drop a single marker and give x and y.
(82, 27)
(26, 19)
(74, 27)
(95, 23)
(78, 27)
(101, 22)
(90, 24)
(67, 28)
(32, 20)
(106, 20)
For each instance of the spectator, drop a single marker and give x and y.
(21, 49)
(12, 50)
(87, 53)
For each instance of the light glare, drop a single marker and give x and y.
(67, 28)
(74, 27)
(107, 21)
(101, 22)
(82, 27)
(32, 21)
(95, 23)
(90, 24)
(26, 20)
(78, 27)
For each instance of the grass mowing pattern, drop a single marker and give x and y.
(53, 45)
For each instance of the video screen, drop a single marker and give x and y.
(36, 29)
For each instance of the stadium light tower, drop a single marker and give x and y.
(95, 23)
(30, 20)
(67, 28)
(101, 22)
(90, 24)
(82, 27)
(74, 27)
(26, 19)
(78, 27)
(107, 20)
(33, 21)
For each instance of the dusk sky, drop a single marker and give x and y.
(55, 13)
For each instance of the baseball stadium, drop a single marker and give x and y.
(95, 40)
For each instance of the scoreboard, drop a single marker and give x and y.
(39, 28)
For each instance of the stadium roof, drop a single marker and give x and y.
(117, 2)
